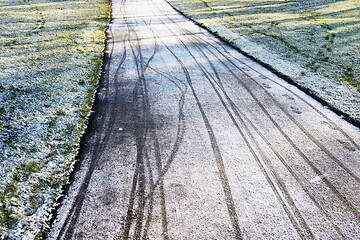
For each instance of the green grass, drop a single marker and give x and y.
(50, 60)
(320, 38)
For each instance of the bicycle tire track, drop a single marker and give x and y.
(204, 55)
(236, 110)
(333, 188)
(217, 154)
(241, 116)
(295, 211)
(268, 178)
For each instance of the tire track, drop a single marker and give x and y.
(297, 123)
(144, 124)
(240, 114)
(353, 210)
(304, 157)
(179, 134)
(340, 196)
(217, 154)
(274, 172)
(297, 221)
(151, 201)
(161, 185)
(66, 230)
(138, 183)
(307, 160)
(221, 165)
(307, 133)
(267, 162)
(332, 123)
(140, 130)
(294, 214)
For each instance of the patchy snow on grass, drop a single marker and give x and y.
(50, 58)
(314, 43)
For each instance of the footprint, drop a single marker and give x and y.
(263, 77)
(109, 196)
(347, 145)
(329, 125)
(266, 85)
(288, 97)
(296, 110)
(179, 189)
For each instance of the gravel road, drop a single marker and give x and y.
(190, 139)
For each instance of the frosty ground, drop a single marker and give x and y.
(190, 139)
(50, 59)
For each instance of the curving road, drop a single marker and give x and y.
(190, 139)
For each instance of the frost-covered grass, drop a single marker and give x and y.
(50, 58)
(315, 43)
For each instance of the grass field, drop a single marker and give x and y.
(50, 59)
(314, 43)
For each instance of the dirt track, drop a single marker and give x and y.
(192, 140)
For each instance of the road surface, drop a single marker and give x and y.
(190, 139)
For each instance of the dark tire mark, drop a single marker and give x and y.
(307, 133)
(66, 230)
(331, 122)
(307, 160)
(299, 219)
(143, 123)
(298, 124)
(161, 186)
(140, 132)
(217, 154)
(220, 162)
(268, 163)
(151, 201)
(311, 196)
